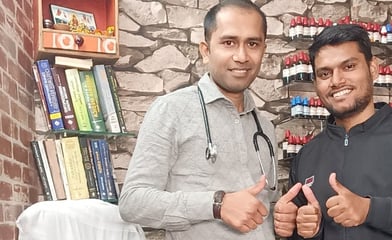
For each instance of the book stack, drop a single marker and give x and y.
(75, 168)
(77, 95)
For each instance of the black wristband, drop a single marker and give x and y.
(216, 206)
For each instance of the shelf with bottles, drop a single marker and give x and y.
(85, 29)
(303, 29)
(306, 28)
(292, 144)
(298, 76)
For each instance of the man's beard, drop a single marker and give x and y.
(359, 105)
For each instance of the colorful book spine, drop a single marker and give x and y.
(50, 94)
(38, 82)
(41, 170)
(108, 170)
(60, 158)
(65, 101)
(78, 101)
(91, 97)
(50, 148)
(45, 163)
(74, 168)
(88, 167)
(106, 99)
(99, 169)
(113, 87)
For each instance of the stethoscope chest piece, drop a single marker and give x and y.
(211, 152)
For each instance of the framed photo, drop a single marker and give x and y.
(72, 17)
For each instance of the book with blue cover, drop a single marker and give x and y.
(50, 94)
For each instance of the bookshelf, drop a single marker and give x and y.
(85, 152)
(101, 46)
(88, 39)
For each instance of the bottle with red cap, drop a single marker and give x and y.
(320, 25)
(302, 67)
(305, 23)
(291, 146)
(286, 71)
(312, 27)
(328, 22)
(383, 33)
(376, 32)
(298, 144)
(293, 68)
(312, 108)
(369, 30)
(380, 81)
(292, 29)
(299, 27)
(310, 69)
(285, 143)
(388, 77)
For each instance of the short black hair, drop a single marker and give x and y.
(210, 18)
(341, 33)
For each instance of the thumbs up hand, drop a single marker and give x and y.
(242, 210)
(309, 216)
(285, 212)
(346, 208)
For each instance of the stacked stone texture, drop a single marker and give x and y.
(159, 54)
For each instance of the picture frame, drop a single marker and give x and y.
(74, 18)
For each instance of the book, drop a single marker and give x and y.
(106, 99)
(45, 163)
(71, 62)
(74, 168)
(40, 90)
(88, 167)
(41, 170)
(78, 100)
(108, 170)
(99, 171)
(91, 97)
(50, 148)
(50, 94)
(65, 100)
(60, 158)
(113, 88)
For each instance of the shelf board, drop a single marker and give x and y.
(68, 133)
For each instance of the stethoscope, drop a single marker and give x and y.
(211, 152)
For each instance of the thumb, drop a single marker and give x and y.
(309, 195)
(336, 186)
(291, 194)
(258, 187)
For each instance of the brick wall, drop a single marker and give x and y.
(18, 176)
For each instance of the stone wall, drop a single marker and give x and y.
(159, 54)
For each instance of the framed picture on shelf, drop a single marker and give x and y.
(72, 17)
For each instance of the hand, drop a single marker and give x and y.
(346, 208)
(285, 212)
(309, 216)
(242, 210)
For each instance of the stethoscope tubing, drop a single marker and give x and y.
(211, 149)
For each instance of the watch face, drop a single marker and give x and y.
(218, 196)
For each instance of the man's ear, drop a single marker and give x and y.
(373, 67)
(204, 51)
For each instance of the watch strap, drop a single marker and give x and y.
(216, 207)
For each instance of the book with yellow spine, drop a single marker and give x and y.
(78, 100)
(92, 100)
(73, 161)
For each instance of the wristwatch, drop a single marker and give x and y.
(216, 207)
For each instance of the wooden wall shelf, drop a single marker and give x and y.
(101, 48)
